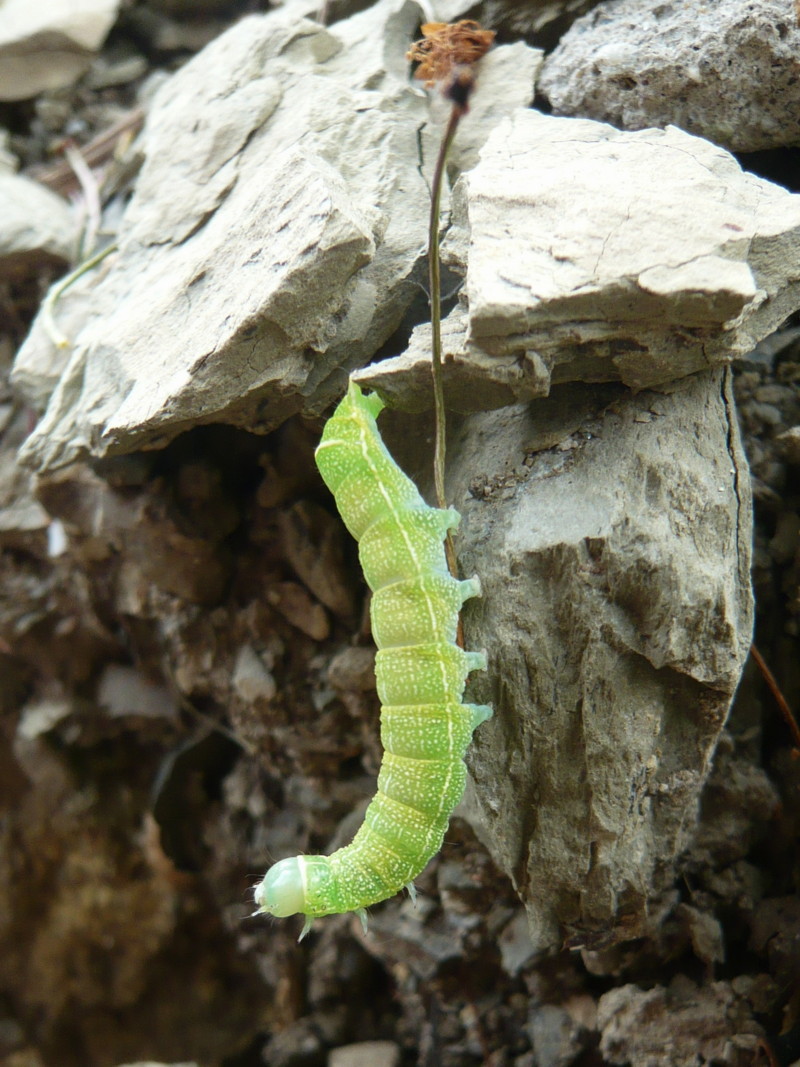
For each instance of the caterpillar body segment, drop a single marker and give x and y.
(409, 545)
(401, 616)
(420, 670)
(417, 730)
(424, 674)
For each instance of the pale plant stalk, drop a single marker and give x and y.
(446, 56)
(434, 279)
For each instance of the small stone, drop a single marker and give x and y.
(42, 717)
(556, 1038)
(679, 1027)
(705, 933)
(48, 46)
(251, 678)
(313, 542)
(365, 1054)
(789, 442)
(298, 608)
(36, 227)
(516, 948)
(353, 670)
(123, 691)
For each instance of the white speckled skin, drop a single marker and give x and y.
(420, 671)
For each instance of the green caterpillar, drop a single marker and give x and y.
(420, 671)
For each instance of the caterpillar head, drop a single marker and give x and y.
(283, 890)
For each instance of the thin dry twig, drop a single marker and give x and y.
(778, 696)
(91, 197)
(59, 339)
(60, 177)
(446, 54)
(435, 284)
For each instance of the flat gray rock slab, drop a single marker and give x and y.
(728, 70)
(592, 254)
(273, 243)
(49, 45)
(612, 534)
(474, 380)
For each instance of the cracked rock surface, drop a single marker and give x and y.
(618, 613)
(726, 70)
(273, 241)
(591, 254)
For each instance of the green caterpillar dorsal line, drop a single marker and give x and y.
(420, 670)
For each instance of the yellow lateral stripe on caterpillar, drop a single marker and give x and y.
(421, 673)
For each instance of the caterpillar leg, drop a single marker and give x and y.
(476, 661)
(452, 517)
(412, 891)
(470, 587)
(306, 928)
(480, 713)
(362, 914)
(370, 402)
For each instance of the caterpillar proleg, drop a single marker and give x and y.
(420, 671)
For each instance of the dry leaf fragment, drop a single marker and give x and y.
(446, 47)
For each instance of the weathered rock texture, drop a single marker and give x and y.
(272, 241)
(727, 70)
(678, 1027)
(597, 255)
(617, 616)
(36, 226)
(46, 46)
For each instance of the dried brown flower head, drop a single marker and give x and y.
(446, 55)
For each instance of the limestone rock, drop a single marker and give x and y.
(677, 1027)
(48, 46)
(273, 241)
(728, 71)
(633, 256)
(473, 379)
(557, 1037)
(617, 615)
(593, 255)
(35, 225)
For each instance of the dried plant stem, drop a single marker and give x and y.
(434, 277)
(446, 55)
(778, 696)
(93, 207)
(58, 290)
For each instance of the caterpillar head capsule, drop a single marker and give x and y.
(282, 892)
